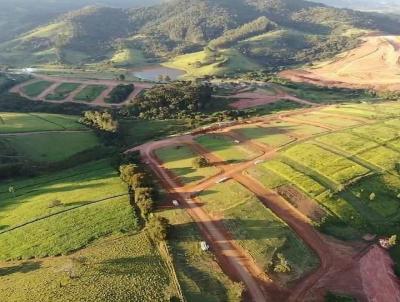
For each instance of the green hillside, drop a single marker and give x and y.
(235, 34)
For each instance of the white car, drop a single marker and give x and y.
(175, 203)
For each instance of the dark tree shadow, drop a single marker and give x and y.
(25, 267)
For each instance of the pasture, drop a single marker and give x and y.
(52, 146)
(37, 122)
(179, 161)
(257, 229)
(90, 93)
(62, 212)
(36, 88)
(225, 148)
(118, 268)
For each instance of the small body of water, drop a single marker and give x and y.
(152, 73)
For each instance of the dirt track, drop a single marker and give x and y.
(99, 101)
(338, 260)
(375, 64)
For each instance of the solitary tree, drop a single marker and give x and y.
(392, 240)
(200, 162)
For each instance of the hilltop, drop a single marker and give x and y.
(221, 36)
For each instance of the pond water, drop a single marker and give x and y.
(152, 73)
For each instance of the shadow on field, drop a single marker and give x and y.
(240, 229)
(25, 267)
(127, 265)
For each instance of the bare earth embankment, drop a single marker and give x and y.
(374, 64)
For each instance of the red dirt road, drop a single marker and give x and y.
(344, 267)
(100, 100)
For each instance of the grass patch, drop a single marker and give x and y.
(200, 277)
(90, 93)
(69, 230)
(38, 122)
(179, 160)
(137, 132)
(51, 147)
(62, 91)
(119, 268)
(269, 136)
(257, 229)
(36, 88)
(336, 168)
(225, 148)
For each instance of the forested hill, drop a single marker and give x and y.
(255, 29)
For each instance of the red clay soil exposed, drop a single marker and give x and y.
(375, 64)
(253, 99)
(349, 268)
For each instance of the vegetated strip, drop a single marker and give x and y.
(49, 181)
(61, 212)
(46, 120)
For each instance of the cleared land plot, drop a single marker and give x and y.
(379, 193)
(71, 190)
(37, 122)
(62, 91)
(119, 268)
(179, 160)
(257, 229)
(289, 174)
(326, 119)
(297, 130)
(51, 147)
(90, 93)
(336, 168)
(268, 136)
(347, 142)
(199, 275)
(225, 148)
(381, 156)
(380, 133)
(139, 131)
(36, 88)
(365, 111)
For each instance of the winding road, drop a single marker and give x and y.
(337, 259)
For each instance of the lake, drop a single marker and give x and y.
(152, 73)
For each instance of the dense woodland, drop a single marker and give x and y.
(174, 100)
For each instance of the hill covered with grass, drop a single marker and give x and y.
(223, 35)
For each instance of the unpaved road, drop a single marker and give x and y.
(338, 260)
(100, 100)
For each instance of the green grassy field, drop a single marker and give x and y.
(67, 218)
(179, 160)
(257, 229)
(137, 132)
(336, 168)
(326, 119)
(51, 147)
(37, 122)
(225, 148)
(36, 88)
(62, 91)
(90, 93)
(118, 268)
(269, 136)
(200, 277)
(300, 130)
